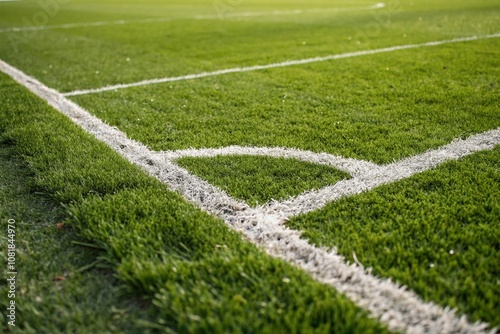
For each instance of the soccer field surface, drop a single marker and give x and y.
(252, 166)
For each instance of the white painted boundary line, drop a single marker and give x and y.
(295, 11)
(277, 65)
(313, 200)
(351, 166)
(399, 309)
(197, 17)
(84, 25)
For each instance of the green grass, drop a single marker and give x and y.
(199, 276)
(437, 232)
(258, 180)
(379, 108)
(87, 297)
(70, 59)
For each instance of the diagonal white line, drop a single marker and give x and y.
(375, 177)
(395, 306)
(197, 17)
(294, 11)
(84, 25)
(277, 65)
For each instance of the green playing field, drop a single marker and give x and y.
(251, 166)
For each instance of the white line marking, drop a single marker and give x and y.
(314, 200)
(9, 0)
(293, 12)
(395, 306)
(276, 65)
(197, 17)
(351, 166)
(84, 25)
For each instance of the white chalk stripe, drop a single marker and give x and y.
(277, 65)
(374, 177)
(293, 11)
(197, 17)
(84, 25)
(352, 166)
(399, 309)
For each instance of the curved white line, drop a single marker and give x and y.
(276, 65)
(197, 17)
(352, 166)
(399, 309)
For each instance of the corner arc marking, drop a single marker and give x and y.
(393, 305)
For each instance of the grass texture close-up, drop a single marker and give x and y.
(250, 166)
(196, 274)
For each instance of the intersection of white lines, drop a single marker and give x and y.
(395, 306)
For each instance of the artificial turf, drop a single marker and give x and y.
(437, 233)
(197, 274)
(90, 57)
(258, 180)
(59, 286)
(379, 108)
